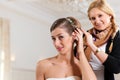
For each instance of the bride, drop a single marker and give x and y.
(66, 34)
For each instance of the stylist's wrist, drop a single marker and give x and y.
(94, 48)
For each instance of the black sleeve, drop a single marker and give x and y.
(112, 64)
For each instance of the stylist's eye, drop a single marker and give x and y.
(100, 15)
(92, 18)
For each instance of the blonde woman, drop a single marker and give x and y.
(102, 41)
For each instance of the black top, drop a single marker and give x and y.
(112, 64)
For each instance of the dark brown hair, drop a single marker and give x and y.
(68, 23)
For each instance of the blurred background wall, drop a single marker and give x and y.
(27, 34)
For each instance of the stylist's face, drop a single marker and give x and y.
(99, 19)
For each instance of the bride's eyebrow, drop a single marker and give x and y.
(57, 35)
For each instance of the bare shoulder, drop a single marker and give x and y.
(42, 67)
(45, 63)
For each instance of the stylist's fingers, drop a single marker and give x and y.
(85, 32)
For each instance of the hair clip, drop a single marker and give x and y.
(68, 19)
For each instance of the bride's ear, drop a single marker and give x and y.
(73, 35)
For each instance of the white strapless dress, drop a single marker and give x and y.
(66, 78)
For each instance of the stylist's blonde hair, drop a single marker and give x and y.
(103, 6)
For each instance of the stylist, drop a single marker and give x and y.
(102, 46)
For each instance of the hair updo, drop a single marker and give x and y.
(68, 23)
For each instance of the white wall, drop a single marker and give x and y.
(21, 74)
(29, 38)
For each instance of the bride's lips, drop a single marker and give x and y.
(59, 48)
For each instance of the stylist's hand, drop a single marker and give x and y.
(89, 39)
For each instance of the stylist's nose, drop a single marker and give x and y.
(97, 21)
